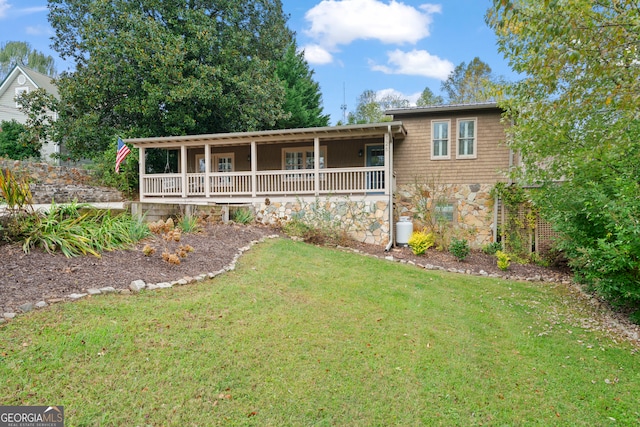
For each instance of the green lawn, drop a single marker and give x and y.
(300, 335)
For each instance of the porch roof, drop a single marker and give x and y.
(360, 131)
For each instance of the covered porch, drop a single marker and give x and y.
(354, 160)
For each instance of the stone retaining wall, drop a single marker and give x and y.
(473, 207)
(363, 220)
(61, 184)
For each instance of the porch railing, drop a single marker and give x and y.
(274, 182)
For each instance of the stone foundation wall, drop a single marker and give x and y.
(61, 184)
(363, 220)
(473, 208)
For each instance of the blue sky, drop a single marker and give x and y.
(397, 46)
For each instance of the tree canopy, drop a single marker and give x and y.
(469, 83)
(371, 107)
(576, 127)
(158, 68)
(14, 53)
(427, 97)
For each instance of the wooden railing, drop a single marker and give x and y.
(288, 182)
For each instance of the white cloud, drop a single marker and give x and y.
(415, 63)
(334, 23)
(315, 54)
(4, 6)
(39, 30)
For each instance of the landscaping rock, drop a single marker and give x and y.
(41, 304)
(137, 285)
(77, 296)
(26, 307)
(9, 315)
(108, 290)
(93, 291)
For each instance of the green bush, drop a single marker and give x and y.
(504, 260)
(13, 146)
(243, 216)
(459, 248)
(492, 248)
(419, 242)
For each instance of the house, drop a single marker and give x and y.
(19, 80)
(362, 175)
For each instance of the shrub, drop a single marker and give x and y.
(504, 260)
(459, 248)
(419, 242)
(188, 224)
(492, 248)
(243, 216)
(14, 192)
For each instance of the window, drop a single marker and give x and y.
(20, 91)
(220, 162)
(444, 212)
(301, 158)
(466, 139)
(440, 139)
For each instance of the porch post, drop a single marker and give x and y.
(388, 168)
(141, 171)
(183, 167)
(316, 165)
(254, 168)
(207, 170)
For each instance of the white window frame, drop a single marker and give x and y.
(214, 161)
(19, 91)
(304, 150)
(473, 155)
(433, 140)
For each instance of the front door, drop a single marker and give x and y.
(223, 162)
(375, 158)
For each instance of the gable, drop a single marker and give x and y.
(21, 79)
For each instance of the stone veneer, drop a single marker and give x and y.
(364, 220)
(61, 184)
(473, 208)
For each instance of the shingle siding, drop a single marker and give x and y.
(412, 157)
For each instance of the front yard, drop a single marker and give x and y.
(301, 335)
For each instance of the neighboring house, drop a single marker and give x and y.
(22, 79)
(364, 175)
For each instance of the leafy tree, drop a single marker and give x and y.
(11, 143)
(576, 123)
(429, 98)
(40, 108)
(368, 109)
(392, 101)
(303, 99)
(469, 83)
(14, 53)
(157, 68)
(371, 109)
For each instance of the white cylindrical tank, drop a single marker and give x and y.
(404, 229)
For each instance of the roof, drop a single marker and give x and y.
(445, 108)
(275, 136)
(36, 78)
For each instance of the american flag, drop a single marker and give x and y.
(123, 152)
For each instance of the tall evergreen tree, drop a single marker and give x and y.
(303, 99)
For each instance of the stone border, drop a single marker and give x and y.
(136, 285)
